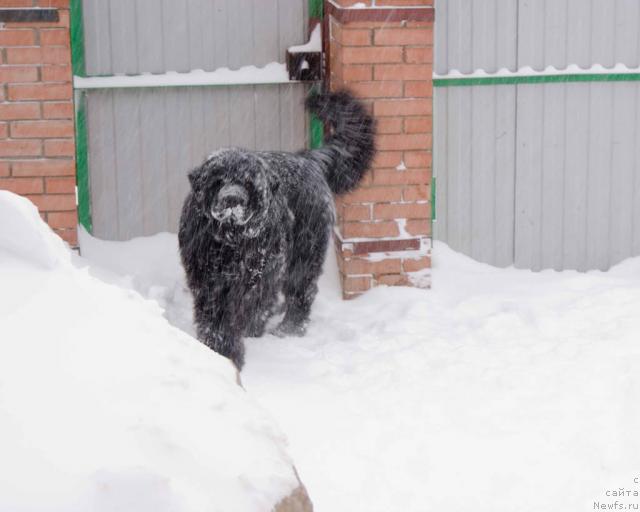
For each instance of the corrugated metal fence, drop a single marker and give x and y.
(142, 142)
(539, 175)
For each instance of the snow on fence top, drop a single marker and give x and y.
(313, 45)
(272, 73)
(572, 69)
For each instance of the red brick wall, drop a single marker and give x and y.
(384, 227)
(37, 117)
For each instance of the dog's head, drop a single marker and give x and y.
(233, 189)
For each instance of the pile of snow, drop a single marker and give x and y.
(105, 406)
(497, 390)
(313, 45)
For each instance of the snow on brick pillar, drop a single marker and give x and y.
(384, 55)
(36, 110)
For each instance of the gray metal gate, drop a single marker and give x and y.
(538, 169)
(143, 140)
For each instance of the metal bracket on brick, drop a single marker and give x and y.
(304, 66)
(29, 15)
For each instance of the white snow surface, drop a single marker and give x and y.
(497, 390)
(105, 406)
(313, 45)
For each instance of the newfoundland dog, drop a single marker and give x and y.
(256, 224)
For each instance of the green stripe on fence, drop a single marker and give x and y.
(82, 164)
(316, 128)
(433, 198)
(536, 79)
(315, 8)
(79, 69)
(77, 39)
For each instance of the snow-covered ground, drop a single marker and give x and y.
(105, 407)
(497, 390)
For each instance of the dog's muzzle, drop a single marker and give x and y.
(231, 205)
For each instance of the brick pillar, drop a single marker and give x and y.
(37, 144)
(385, 55)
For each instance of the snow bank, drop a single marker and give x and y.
(499, 390)
(105, 406)
(23, 234)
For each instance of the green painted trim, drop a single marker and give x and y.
(536, 79)
(316, 8)
(78, 64)
(77, 39)
(433, 199)
(82, 164)
(316, 127)
(316, 132)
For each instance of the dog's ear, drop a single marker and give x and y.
(196, 177)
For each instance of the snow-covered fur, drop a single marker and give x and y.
(257, 223)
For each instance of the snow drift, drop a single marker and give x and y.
(105, 406)
(499, 390)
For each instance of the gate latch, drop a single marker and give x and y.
(304, 62)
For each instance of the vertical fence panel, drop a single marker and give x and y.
(266, 40)
(505, 166)
(603, 30)
(528, 183)
(175, 30)
(290, 31)
(552, 176)
(531, 33)
(555, 33)
(483, 38)
(622, 164)
(576, 176)
(220, 26)
(557, 165)
(459, 177)
(267, 115)
(626, 32)
(579, 33)
(101, 132)
(153, 162)
(599, 196)
(126, 110)
(97, 21)
(136, 36)
(440, 38)
(483, 163)
(124, 44)
(149, 36)
(177, 151)
(142, 142)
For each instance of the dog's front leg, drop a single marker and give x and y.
(220, 328)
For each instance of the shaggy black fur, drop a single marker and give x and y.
(257, 223)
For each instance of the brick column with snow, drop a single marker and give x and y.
(36, 115)
(384, 54)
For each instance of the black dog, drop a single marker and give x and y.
(256, 224)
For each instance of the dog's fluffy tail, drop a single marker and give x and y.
(349, 146)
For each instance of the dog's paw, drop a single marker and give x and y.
(286, 329)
